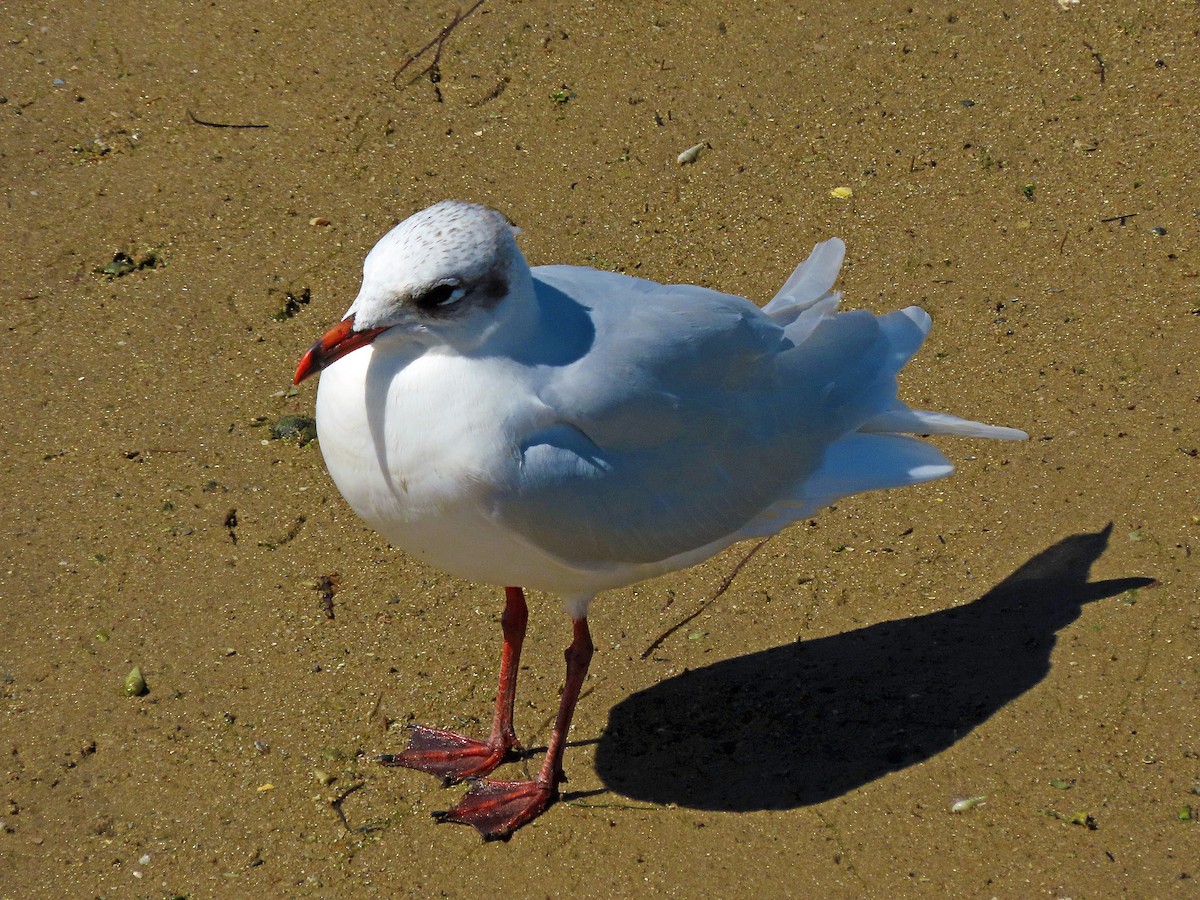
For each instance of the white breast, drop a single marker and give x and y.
(421, 448)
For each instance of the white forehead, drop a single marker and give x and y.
(451, 238)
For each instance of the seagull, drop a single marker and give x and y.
(570, 431)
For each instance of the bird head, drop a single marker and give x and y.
(449, 276)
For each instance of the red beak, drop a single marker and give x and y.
(333, 345)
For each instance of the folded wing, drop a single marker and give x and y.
(703, 419)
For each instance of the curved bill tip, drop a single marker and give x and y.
(332, 346)
(308, 365)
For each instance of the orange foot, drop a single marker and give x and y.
(498, 808)
(449, 755)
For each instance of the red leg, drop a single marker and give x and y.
(450, 755)
(498, 808)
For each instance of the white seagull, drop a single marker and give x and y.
(571, 430)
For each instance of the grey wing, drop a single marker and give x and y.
(666, 436)
(693, 417)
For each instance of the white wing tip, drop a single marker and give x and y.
(918, 317)
(1008, 434)
(930, 472)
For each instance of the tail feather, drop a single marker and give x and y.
(810, 283)
(903, 420)
(843, 352)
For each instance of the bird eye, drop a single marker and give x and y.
(439, 296)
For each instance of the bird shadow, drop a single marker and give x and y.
(811, 720)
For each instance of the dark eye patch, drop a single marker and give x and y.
(438, 297)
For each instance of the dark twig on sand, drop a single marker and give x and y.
(195, 118)
(657, 642)
(1098, 58)
(437, 45)
(336, 803)
(493, 94)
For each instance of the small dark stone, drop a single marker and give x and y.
(300, 429)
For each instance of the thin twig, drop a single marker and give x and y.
(657, 642)
(579, 804)
(337, 801)
(439, 43)
(493, 94)
(195, 118)
(1098, 58)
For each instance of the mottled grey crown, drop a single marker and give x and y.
(463, 243)
(439, 264)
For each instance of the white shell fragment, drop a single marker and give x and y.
(690, 155)
(966, 803)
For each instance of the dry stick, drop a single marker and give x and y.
(1099, 60)
(199, 121)
(439, 42)
(375, 709)
(493, 94)
(709, 602)
(337, 802)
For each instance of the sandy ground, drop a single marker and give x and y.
(808, 731)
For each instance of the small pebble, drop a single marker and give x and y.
(300, 429)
